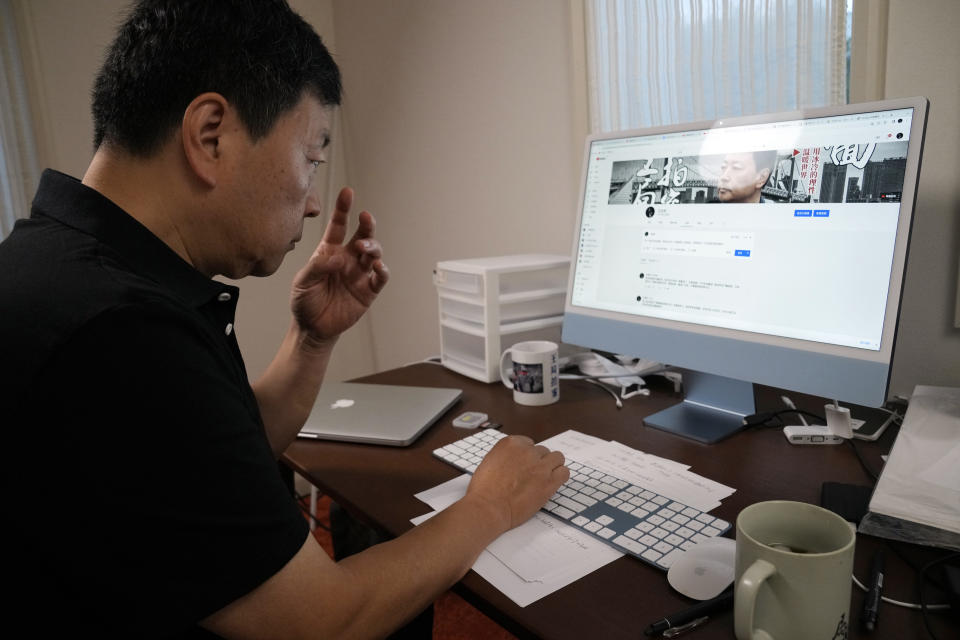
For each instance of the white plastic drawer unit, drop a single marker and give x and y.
(487, 304)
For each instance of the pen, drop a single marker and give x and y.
(871, 603)
(699, 610)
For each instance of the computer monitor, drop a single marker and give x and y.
(768, 249)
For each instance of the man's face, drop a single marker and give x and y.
(739, 179)
(273, 188)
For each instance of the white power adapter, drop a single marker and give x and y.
(806, 434)
(838, 420)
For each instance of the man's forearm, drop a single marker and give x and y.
(405, 575)
(287, 390)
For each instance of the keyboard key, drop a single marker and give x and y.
(705, 518)
(648, 540)
(710, 531)
(604, 520)
(667, 513)
(640, 512)
(573, 505)
(613, 502)
(663, 547)
(633, 534)
(563, 512)
(651, 555)
(659, 533)
(655, 519)
(696, 525)
(606, 533)
(631, 545)
(580, 521)
(674, 539)
(587, 500)
(684, 532)
(646, 495)
(645, 526)
(626, 507)
(690, 512)
(669, 558)
(592, 527)
(660, 500)
(670, 525)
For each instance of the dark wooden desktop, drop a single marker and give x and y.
(377, 484)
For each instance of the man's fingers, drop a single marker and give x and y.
(366, 226)
(554, 459)
(336, 230)
(379, 276)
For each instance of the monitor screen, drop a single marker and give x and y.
(764, 249)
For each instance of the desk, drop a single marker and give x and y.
(377, 485)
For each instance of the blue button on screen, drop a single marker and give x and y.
(821, 213)
(742, 252)
(802, 213)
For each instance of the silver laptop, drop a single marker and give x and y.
(376, 413)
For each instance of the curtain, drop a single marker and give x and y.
(19, 167)
(659, 62)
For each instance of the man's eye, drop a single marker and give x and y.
(315, 163)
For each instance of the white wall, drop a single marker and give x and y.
(464, 129)
(923, 58)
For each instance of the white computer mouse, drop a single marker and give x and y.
(704, 570)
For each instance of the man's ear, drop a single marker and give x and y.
(762, 177)
(202, 130)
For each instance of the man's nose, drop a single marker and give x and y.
(313, 207)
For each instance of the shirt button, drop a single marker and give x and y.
(224, 297)
(229, 328)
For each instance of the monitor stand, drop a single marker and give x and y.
(713, 408)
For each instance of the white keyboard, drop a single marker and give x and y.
(628, 517)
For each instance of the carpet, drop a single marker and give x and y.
(453, 617)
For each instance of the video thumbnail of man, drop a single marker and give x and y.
(850, 173)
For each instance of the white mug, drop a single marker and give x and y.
(793, 568)
(534, 376)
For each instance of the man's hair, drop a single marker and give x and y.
(258, 54)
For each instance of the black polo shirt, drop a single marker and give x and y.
(139, 491)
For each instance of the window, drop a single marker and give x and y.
(667, 61)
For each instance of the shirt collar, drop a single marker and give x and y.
(76, 205)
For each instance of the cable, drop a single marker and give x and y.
(923, 605)
(908, 605)
(306, 511)
(863, 463)
(607, 389)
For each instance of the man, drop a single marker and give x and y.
(140, 487)
(742, 175)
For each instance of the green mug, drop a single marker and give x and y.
(793, 572)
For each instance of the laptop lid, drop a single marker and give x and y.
(376, 413)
